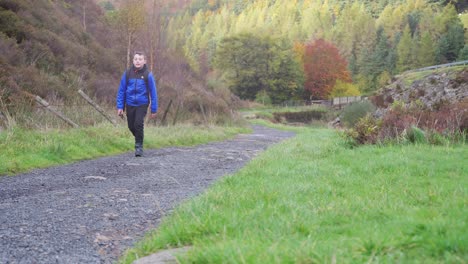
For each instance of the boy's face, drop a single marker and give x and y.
(138, 61)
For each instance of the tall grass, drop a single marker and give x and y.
(22, 150)
(312, 200)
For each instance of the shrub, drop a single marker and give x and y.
(366, 131)
(353, 112)
(262, 97)
(416, 135)
(378, 100)
(435, 138)
(417, 124)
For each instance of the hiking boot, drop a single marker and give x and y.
(138, 150)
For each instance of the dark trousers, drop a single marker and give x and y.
(136, 120)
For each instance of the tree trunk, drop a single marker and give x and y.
(129, 46)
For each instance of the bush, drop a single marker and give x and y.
(416, 135)
(262, 97)
(416, 124)
(435, 138)
(353, 112)
(366, 131)
(395, 123)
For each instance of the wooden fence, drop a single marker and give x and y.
(440, 66)
(338, 101)
(335, 102)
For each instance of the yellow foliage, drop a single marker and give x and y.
(342, 89)
(384, 78)
(464, 19)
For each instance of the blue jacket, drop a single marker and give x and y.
(135, 93)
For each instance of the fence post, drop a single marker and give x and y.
(163, 121)
(97, 107)
(57, 113)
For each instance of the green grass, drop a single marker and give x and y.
(311, 200)
(23, 150)
(410, 77)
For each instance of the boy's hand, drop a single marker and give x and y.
(120, 112)
(153, 115)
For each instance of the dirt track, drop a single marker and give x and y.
(91, 211)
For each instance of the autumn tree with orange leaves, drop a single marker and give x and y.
(323, 66)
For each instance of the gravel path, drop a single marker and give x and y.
(91, 211)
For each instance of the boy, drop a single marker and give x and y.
(137, 86)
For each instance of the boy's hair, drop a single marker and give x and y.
(141, 53)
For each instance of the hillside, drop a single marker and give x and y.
(52, 48)
(390, 37)
(172, 5)
(430, 89)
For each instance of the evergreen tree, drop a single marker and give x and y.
(456, 40)
(463, 55)
(404, 51)
(443, 47)
(373, 63)
(413, 21)
(381, 53)
(451, 43)
(352, 66)
(426, 52)
(393, 54)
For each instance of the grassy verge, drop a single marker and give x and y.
(311, 200)
(267, 112)
(410, 77)
(22, 150)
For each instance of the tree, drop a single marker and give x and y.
(427, 50)
(256, 64)
(244, 58)
(404, 51)
(354, 31)
(286, 77)
(343, 89)
(443, 46)
(463, 53)
(374, 62)
(323, 66)
(451, 43)
(131, 18)
(107, 6)
(381, 53)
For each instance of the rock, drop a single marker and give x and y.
(95, 178)
(432, 91)
(335, 123)
(101, 239)
(111, 216)
(162, 257)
